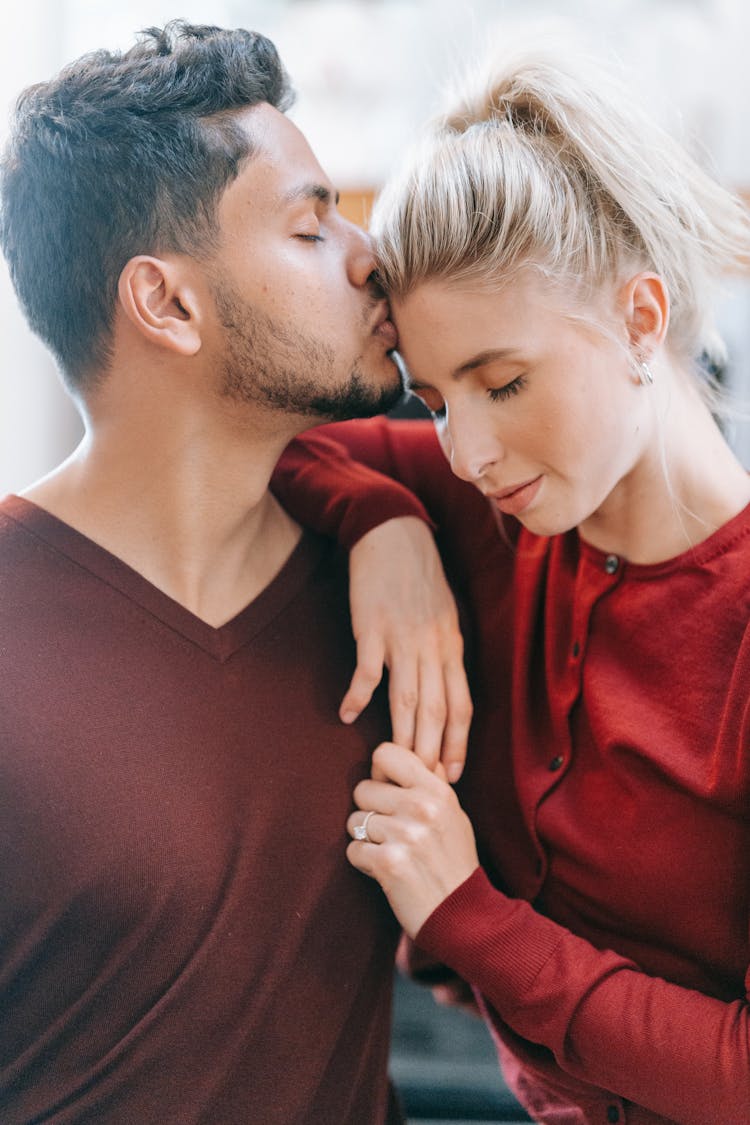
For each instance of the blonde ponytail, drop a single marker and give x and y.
(537, 164)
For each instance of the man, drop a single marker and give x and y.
(183, 940)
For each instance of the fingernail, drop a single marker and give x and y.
(348, 716)
(454, 772)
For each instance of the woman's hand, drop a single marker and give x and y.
(419, 843)
(404, 618)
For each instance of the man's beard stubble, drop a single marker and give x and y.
(267, 365)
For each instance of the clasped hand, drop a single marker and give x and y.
(420, 844)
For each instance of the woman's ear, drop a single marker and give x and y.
(160, 303)
(644, 301)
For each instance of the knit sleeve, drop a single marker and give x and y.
(674, 1051)
(344, 479)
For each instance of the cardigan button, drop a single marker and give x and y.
(611, 564)
(556, 762)
(613, 1114)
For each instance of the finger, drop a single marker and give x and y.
(367, 676)
(403, 696)
(439, 771)
(401, 767)
(432, 714)
(363, 856)
(460, 711)
(378, 796)
(371, 823)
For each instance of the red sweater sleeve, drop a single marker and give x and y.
(672, 1050)
(344, 479)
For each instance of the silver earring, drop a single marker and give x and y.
(647, 377)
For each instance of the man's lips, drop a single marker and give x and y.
(385, 327)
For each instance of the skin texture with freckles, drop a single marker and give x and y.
(535, 389)
(548, 401)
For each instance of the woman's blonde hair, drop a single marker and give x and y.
(546, 164)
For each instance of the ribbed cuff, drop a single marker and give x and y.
(497, 943)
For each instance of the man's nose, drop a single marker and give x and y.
(361, 264)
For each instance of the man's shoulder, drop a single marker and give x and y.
(17, 525)
(32, 571)
(14, 535)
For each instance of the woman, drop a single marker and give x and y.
(551, 258)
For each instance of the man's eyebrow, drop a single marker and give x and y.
(490, 355)
(309, 191)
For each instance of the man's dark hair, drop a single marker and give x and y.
(124, 154)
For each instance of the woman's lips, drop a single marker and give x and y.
(513, 500)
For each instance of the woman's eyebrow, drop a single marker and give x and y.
(489, 355)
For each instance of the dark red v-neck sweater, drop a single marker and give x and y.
(182, 941)
(608, 781)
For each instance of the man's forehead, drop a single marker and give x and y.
(284, 159)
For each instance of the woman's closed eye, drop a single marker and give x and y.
(436, 404)
(508, 390)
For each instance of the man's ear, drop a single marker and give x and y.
(160, 303)
(644, 301)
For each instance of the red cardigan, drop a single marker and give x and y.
(609, 785)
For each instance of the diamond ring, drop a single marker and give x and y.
(360, 832)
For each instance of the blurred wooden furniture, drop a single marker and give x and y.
(356, 204)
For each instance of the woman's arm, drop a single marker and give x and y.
(342, 480)
(674, 1051)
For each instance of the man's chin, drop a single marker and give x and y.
(360, 398)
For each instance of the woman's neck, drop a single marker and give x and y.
(685, 486)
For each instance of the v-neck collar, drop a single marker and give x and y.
(220, 643)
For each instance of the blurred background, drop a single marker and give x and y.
(367, 73)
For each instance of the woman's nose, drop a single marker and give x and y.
(474, 450)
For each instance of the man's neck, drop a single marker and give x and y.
(187, 507)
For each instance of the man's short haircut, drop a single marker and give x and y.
(124, 153)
